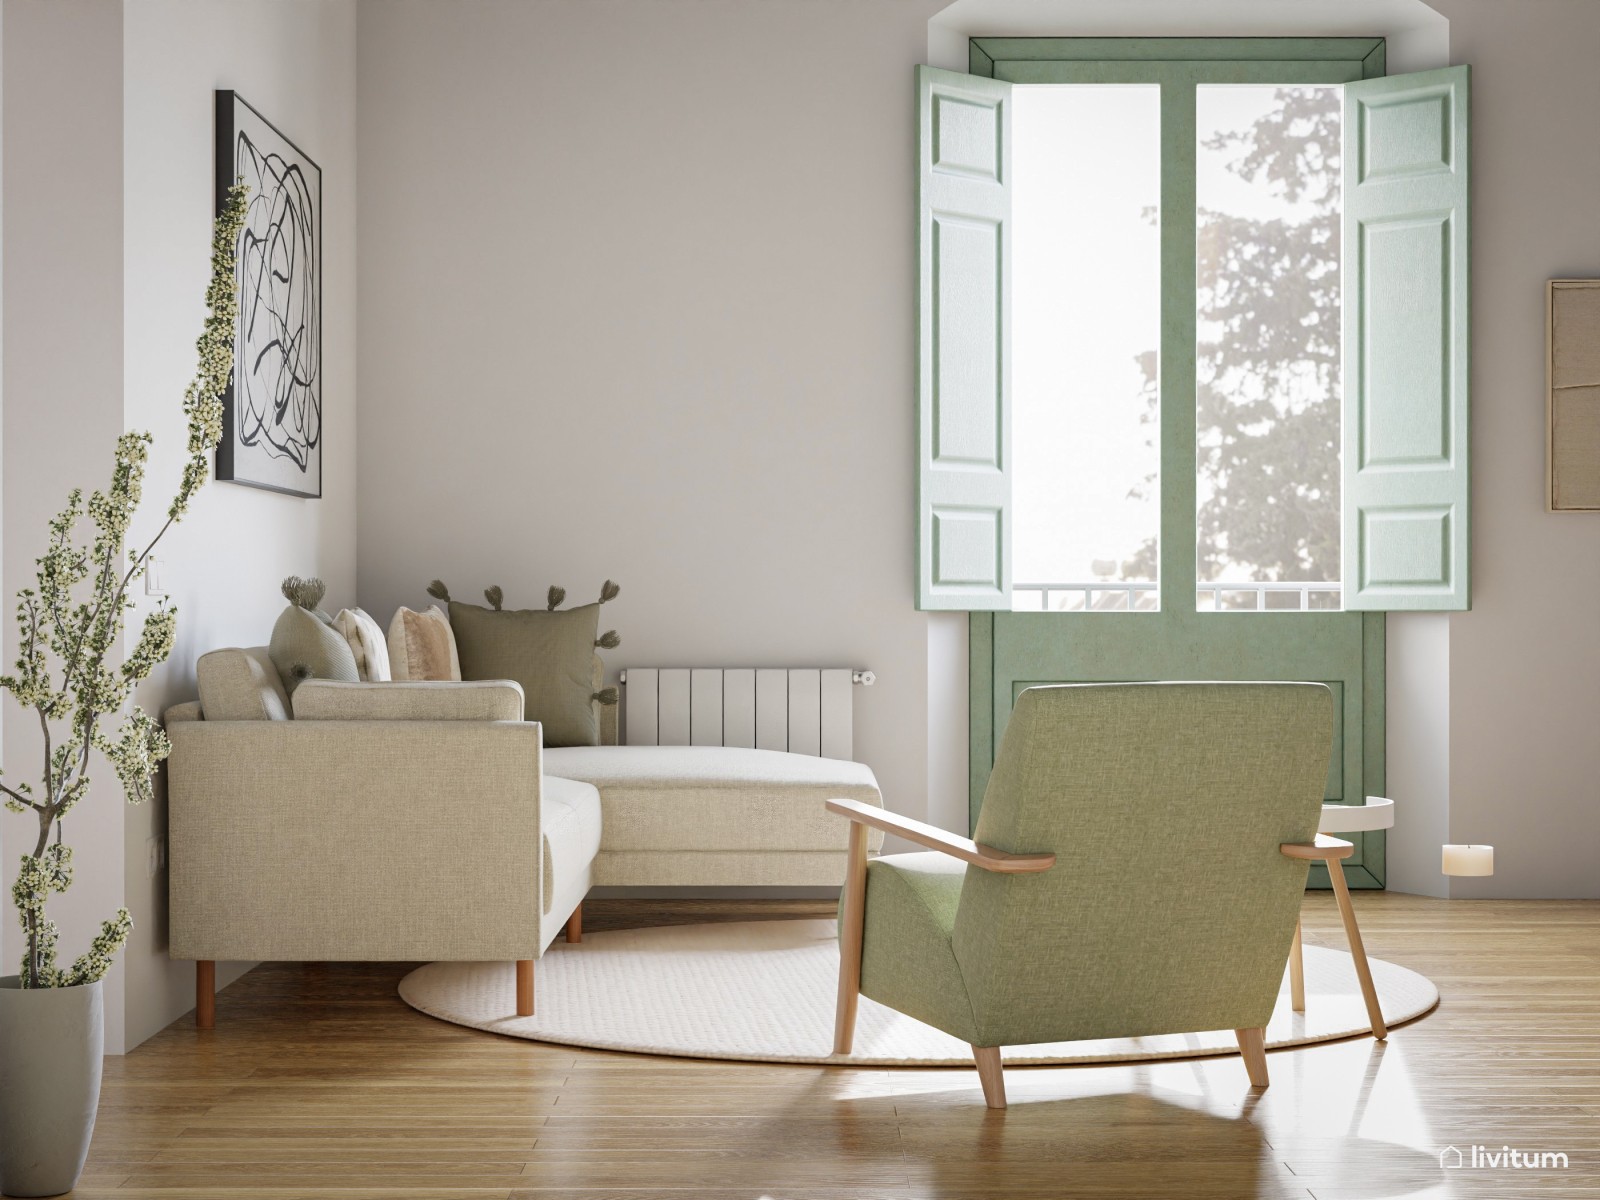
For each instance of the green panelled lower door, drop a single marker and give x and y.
(1012, 651)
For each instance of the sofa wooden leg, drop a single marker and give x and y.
(1297, 971)
(990, 1075)
(205, 994)
(575, 924)
(851, 930)
(525, 987)
(1253, 1049)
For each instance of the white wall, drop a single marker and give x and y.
(635, 301)
(294, 60)
(62, 385)
(1525, 662)
(1418, 743)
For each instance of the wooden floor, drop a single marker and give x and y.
(319, 1082)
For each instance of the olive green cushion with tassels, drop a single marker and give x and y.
(550, 652)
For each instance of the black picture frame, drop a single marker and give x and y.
(272, 425)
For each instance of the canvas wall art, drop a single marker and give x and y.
(272, 424)
(1572, 412)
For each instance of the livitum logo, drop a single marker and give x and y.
(1482, 1157)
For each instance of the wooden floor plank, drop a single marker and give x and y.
(319, 1084)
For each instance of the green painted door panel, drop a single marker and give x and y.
(963, 342)
(1013, 651)
(1405, 343)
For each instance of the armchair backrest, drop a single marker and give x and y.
(1169, 908)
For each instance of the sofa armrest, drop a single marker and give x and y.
(355, 840)
(189, 710)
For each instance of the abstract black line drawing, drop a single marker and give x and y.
(273, 418)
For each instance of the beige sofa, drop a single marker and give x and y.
(425, 821)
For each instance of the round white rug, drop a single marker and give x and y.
(764, 991)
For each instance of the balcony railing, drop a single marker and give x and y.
(1107, 596)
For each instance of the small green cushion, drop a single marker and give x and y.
(550, 653)
(304, 646)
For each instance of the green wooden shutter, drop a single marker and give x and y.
(1405, 342)
(963, 342)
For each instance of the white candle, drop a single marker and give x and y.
(1469, 860)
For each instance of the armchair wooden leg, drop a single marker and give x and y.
(575, 924)
(990, 1075)
(1297, 971)
(1358, 952)
(525, 987)
(1253, 1048)
(205, 994)
(850, 939)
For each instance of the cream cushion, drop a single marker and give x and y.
(569, 818)
(367, 643)
(715, 798)
(441, 700)
(422, 646)
(241, 685)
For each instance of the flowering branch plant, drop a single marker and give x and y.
(69, 632)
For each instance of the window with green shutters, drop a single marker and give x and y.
(1192, 329)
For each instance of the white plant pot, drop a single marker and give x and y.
(51, 1044)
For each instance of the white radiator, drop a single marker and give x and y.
(802, 711)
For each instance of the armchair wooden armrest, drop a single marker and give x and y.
(965, 849)
(1323, 849)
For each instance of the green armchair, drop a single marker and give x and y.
(1138, 868)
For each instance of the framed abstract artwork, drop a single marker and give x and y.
(1572, 394)
(272, 412)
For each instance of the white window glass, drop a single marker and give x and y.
(1267, 194)
(1086, 325)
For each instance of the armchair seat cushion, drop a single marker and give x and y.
(908, 955)
(715, 798)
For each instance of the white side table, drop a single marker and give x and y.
(1376, 813)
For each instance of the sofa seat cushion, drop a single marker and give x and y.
(710, 798)
(569, 816)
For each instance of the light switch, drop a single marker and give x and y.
(153, 583)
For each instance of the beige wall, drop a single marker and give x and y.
(295, 61)
(1525, 662)
(663, 332)
(635, 302)
(62, 384)
(108, 144)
